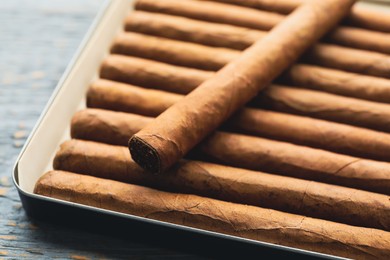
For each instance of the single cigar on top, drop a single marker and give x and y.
(211, 58)
(214, 215)
(326, 106)
(340, 138)
(261, 20)
(358, 16)
(345, 205)
(248, 152)
(229, 36)
(164, 141)
(316, 104)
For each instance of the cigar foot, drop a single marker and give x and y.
(144, 155)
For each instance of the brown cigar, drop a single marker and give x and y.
(370, 63)
(302, 162)
(124, 97)
(360, 38)
(148, 74)
(232, 184)
(280, 6)
(326, 106)
(260, 20)
(358, 16)
(301, 130)
(167, 139)
(317, 104)
(173, 52)
(210, 58)
(228, 36)
(174, 27)
(369, 19)
(213, 12)
(249, 152)
(224, 217)
(338, 82)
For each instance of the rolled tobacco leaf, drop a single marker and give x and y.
(167, 139)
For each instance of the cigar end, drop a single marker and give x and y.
(144, 155)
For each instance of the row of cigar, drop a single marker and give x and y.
(304, 164)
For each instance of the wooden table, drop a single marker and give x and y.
(38, 38)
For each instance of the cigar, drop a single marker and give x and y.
(167, 139)
(210, 58)
(369, 19)
(326, 106)
(338, 82)
(117, 96)
(339, 138)
(358, 16)
(261, 20)
(149, 74)
(317, 104)
(231, 184)
(174, 52)
(190, 30)
(179, 28)
(248, 152)
(280, 6)
(360, 39)
(229, 36)
(214, 215)
(370, 63)
(213, 12)
(152, 74)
